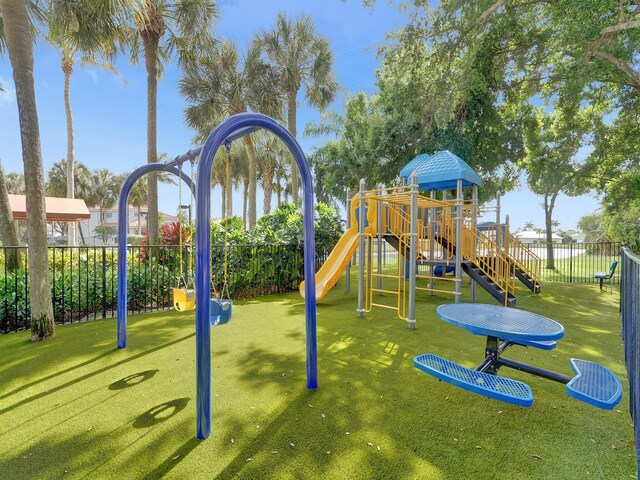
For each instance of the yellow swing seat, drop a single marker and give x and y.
(184, 299)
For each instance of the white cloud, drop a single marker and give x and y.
(93, 74)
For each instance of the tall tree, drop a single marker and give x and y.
(86, 31)
(552, 143)
(269, 150)
(19, 43)
(305, 59)
(56, 185)
(15, 183)
(138, 199)
(223, 85)
(160, 30)
(8, 230)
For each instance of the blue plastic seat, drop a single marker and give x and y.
(492, 386)
(594, 384)
(220, 311)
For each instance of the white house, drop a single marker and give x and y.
(110, 219)
(530, 236)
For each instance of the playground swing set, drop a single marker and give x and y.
(424, 231)
(184, 295)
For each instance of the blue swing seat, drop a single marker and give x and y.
(220, 311)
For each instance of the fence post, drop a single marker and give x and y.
(570, 262)
(104, 281)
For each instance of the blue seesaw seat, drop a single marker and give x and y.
(492, 386)
(594, 384)
(220, 311)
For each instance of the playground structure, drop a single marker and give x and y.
(432, 236)
(207, 312)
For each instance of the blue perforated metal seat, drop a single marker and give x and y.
(488, 385)
(594, 384)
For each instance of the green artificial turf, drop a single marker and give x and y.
(76, 407)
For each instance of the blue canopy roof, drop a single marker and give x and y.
(442, 170)
(409, 168)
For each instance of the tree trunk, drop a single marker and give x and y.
(151, 63)
(228, 187)
(279, 190)
(139, 221)
(224, 202)
(253, 179)
(18, 36)
(291, 121)
(8, 231)
(245, 195)
(67, 68)
(267, 187)
(549, 204)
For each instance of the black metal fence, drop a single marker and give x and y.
(630, 311)
(577, 262)
(84, 279)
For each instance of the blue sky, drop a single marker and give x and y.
(110, 114)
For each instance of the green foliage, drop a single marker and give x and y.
(593, 228)
(134, 239)
(624, 226)
(106, 232)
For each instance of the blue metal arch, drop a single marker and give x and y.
(123, 223)
(229, 129)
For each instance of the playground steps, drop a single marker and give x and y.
(520, 274)
(489, 285)
(526, 280)
(486, 384)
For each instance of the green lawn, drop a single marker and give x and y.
(76, 407)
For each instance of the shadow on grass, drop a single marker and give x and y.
(160, 413)
(96, 372)
(132, 380)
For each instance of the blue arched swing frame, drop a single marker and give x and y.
(227, 131)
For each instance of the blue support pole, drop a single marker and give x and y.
(230, 128)
(123, 224)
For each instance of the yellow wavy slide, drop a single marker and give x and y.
(330, 272)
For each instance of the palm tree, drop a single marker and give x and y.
(281, 174)
(529, 225)
(220, 86)
(15, 183)
(105, 187)
(270, 150)
(85, 31)
(8, 230)
(138, 198)
(18, 35)
(56, 185)
(304, 59)
(158, 30)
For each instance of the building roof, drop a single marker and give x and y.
(536, 235)
(441, 171)
(58, 209)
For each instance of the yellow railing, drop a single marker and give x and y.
(523, 258)
(518, 253)
(483, 253)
